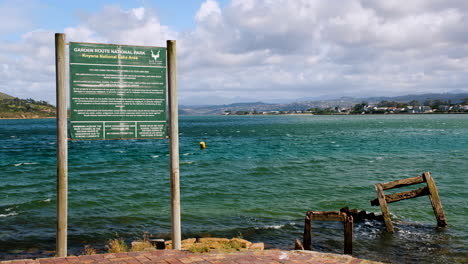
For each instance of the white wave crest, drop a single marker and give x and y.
(25, 163)
(271, 227)
(9, 214)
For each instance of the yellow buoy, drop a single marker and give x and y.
(202, 145)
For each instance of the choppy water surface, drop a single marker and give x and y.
(256, 179)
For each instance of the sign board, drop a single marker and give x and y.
(117, 91)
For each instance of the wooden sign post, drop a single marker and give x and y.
(174, 144)
(62, 146)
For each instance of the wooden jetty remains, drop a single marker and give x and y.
(430, 190)
(329, 216)
(359, 215)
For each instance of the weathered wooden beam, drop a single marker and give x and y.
(403, 182)
(391, 198)
(435, 200)
(384, 208)
(307, 238)
(326, 215)
(348, 226)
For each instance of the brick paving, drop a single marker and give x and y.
(185, 257)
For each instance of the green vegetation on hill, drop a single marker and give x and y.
(5, 96)
(12, 107)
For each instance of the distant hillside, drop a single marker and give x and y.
(263, 107)
(12, 107)
(5, 96)
(453, 98)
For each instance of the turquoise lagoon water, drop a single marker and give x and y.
(256, 179)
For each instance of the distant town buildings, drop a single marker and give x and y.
(383, 107)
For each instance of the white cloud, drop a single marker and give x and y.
(312, 48)
(269, 49)
(208, 9)
(28, 66)
(137, 26)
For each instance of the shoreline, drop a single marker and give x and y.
(8, 118)
(343, 114)
(292, 114)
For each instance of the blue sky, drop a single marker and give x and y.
(58, 14)
(253, 50)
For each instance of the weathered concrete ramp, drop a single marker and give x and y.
(185, 257)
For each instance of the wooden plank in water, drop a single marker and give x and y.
(403, 182)
(435, 200)
(384, 208)
(327, 215)
(391, 198)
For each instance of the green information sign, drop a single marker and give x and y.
(117, 91)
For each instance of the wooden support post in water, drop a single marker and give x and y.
(307, 238)
(384, 208)
(174, 145)
(348, 225)
(62, 146)
(435, 200)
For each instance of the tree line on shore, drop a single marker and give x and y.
(414, 106)
(382, 107)
(25, 108)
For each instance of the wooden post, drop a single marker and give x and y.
(348, 225)
(174, 144)
(384, 208)
(62, 147)
(435, 200)
(307, 238)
